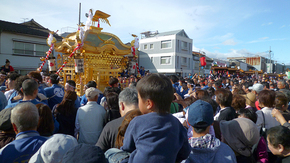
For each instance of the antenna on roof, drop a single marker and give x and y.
(24, 19)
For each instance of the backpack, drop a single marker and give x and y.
(263, 131)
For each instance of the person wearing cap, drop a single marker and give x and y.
(7, 135)
(241, 134)
(256, 89)
(70, 85)
(54, 93)
(24, 119)
(90, 119)
(205, 147)
(54, 149)
(128, 100)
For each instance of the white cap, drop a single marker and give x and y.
(257, 87)
(54, 149)
(92, 92)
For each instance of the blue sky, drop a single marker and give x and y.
(221, 28)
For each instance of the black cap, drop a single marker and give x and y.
(5, 122)
(84, 153)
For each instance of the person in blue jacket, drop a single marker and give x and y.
(54, 93)
(24, 119)
(35, 75)
(156, 136)
(30, 91)
(84, 99)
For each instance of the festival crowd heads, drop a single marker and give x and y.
(219, 118)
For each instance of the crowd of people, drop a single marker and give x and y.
(157, 118)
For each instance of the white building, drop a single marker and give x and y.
(168, 52)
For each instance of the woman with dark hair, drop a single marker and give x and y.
(238, 102)
(113, 106)
(65, 113)
(41, 96)
(45, 125)
(199, 94)
(17, 95)
(224, 99)
(7, 68)
(265, 120)
(211, 92)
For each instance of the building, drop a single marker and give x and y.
(261, 63)
(167, 52)
(23, 44)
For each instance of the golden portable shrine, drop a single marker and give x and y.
(91, 54)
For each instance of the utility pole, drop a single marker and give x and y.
(80, 14)
(270, 60)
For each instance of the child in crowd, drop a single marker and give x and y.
(205, 147)
(156, 136)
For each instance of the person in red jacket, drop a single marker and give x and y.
(7, 68)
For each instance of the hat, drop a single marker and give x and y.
(240, 134)
(54, 149)
(250, 99)
(257, 87)
(200, 111)
(92, 92)
(85, 153)
(5, 123)
(2, 88)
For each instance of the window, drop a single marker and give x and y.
(151, 46)
(145, 46)
(25, 48)
(151, 58)
(184, 45)
(177, 61)
(183, 61)
(165, 44)
(165, 60)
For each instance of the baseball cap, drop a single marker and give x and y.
(92, 92)
(5, 122)
(257, 87)
(200, 114)
(54, 148)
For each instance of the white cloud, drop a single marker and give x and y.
(270, 23)
(233, 53)
(283, 26)
(263, 38)
(230, 42)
